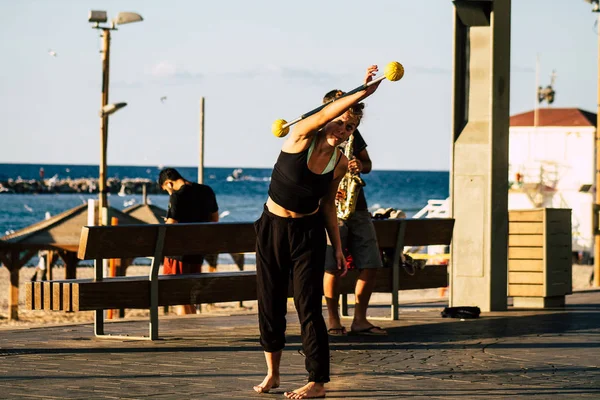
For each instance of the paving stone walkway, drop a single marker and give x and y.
(515, 354)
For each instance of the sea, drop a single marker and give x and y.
(239, 200)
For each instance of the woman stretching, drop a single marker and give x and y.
(291, 238)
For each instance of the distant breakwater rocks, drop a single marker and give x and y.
(124, 186)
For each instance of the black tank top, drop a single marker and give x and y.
(294, 186)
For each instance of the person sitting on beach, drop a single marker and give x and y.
(188, 202)
(291, 237)
(41, 266)
(359, 240)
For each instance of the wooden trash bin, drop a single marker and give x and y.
(539, 257)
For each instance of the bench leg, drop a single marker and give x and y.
(99, 314)
(153, 278)
(99, 323)
(394, 311)
(153, 328)
(99, 317)
(396, 270)
(156, 261)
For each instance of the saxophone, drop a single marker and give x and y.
(351, 185)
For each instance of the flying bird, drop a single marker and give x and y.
(163, 99)
(52, 53)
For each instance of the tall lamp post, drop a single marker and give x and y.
(596, 210)
(99, 17)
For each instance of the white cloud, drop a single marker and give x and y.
(164, 69)
(295, 74)
(170, 72)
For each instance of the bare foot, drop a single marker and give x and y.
(311, 390)
(270, 382)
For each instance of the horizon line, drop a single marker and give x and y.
(194, 166)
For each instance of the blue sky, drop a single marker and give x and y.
(254, 62)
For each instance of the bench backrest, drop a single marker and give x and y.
(129, 241)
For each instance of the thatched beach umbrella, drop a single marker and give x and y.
(59, 234)
(147, 213)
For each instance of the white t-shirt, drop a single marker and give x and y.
(42, 262)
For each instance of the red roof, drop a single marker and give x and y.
(556, 117)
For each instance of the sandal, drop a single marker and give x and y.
(370, 331)
(337, 331)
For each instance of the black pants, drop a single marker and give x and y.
(292, 247)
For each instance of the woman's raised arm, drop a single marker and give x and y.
(307, 127)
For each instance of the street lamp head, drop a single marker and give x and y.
(127, 18)
(97, 16)
(595, 5)
(111, 108)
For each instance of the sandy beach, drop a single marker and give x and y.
(27, 318)
(40, 317)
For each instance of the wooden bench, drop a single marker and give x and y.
(157, 241)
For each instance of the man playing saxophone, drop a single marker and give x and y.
(358, 237)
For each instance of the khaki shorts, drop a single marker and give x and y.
(359, 240)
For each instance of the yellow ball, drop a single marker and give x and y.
(394, 71)
(278, 129)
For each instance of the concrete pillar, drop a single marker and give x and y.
(479, 168)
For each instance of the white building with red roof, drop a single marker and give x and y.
(552, 164)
